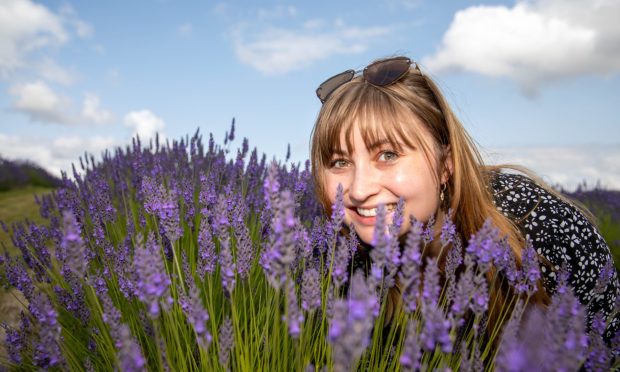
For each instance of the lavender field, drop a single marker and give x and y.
(195, 255)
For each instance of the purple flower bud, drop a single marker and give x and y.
(436, 329)
(338, 209)
(340, 272)
(483, 245)
(153, 281)
(279, 253)
(73, 245)
(227, 266)
(47, 348)
(197, 316)
(207, 258)
(411, 261)
(311, 289)
(530, 270)
(448, 230)
(352, 322)
(225, 340)
(410, 358)
(130, 356)
(431, 289)
(294, 316)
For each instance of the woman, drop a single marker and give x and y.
(389, 133)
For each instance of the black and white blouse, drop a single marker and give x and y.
(564, 236)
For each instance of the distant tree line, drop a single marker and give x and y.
(22, 173)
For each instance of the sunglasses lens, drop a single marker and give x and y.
(386, 72)
(331, 84)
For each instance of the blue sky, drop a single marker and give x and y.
(535, 82)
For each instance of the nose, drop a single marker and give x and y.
(364, 185)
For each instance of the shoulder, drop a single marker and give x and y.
(561, 233)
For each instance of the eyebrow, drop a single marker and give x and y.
(373, 146)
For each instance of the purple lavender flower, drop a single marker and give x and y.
(226, 339)
(162, 203)
(47, 348)
(462, 294)
(197, 315)
(16, 341)
(381, 254)
(483, 245)
(18, 277)
(294, 316)
(340, 273)
(530, 270)
(130, 356)
(351, 323)
(411, 261)
(73, 246)
(245, 250)
(410, 358)
(454, 259)
(599, 355)
(480, 296)
(338, 209)
(431, 289)
(428, 233)
(227, 266)
(310, 289)
(207, 258)
(153, 281)
(279, 254)
(448, 230)
(436, 329)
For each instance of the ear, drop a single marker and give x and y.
(448, 166)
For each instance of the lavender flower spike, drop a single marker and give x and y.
(411, 261)
(226, 339)
(310, 289)
(279, 254)
(412, 353)
(294, 316)
(338, 209)
(73, 246)
(153, 281)
(352, 321)
(47, 349)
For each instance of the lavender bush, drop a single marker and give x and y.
(185, 257)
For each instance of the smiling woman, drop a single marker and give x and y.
(388, 134)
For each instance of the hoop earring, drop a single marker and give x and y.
(442, 190)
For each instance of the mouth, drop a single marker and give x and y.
(372, 212)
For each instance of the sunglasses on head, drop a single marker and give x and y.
(380, 74)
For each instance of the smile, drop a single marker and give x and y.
(372, 212)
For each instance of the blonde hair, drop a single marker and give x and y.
(385, 112)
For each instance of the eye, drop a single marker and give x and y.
(339, 163)
(388, 156)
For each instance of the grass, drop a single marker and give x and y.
(18, 205)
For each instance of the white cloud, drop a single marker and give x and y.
(40, 102)
(56, 154)
(144, 123)
(91, 112)
(534, 42)
(51, 71)
(24, 28)
(278, 50)
(566, 165)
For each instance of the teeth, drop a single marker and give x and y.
(372, 212)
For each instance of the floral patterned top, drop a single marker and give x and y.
(563, 236)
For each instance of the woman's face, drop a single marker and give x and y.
(381, 174)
